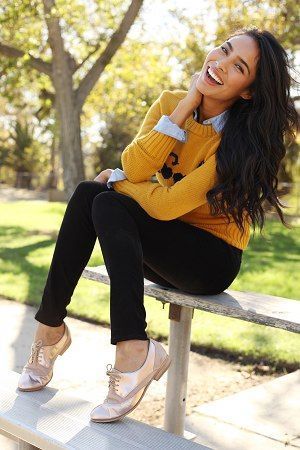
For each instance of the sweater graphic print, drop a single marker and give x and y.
(167, 172)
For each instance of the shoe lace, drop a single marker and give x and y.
(36, 352)
(113, 377)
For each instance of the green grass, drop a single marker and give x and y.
(271, 265)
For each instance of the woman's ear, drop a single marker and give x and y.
(246, 95)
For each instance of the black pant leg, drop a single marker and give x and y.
(123, 256)
(74, 246)
(187, 258)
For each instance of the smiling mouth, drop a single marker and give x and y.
(211, 80)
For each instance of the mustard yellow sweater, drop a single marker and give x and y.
(152, 153)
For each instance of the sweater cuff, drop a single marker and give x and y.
(116, 175)
(166, 126)
(156, 146)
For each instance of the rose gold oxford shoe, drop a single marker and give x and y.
(38, 370)
(126, 389)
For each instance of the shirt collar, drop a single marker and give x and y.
(217, 122)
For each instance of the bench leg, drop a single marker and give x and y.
(177, 375)
(25, 446)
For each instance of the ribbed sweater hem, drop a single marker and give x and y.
(241, 244)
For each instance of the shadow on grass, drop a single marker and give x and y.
(17, 258)
(259, 364)
(273, 247)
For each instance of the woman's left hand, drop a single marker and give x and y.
(103, 176)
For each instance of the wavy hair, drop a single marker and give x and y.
(258, 131)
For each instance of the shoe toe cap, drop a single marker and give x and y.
(101, 412)
(27, 381)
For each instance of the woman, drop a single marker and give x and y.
(216, 151)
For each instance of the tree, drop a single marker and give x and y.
(23, 153)
(71, 82)
(131, 85)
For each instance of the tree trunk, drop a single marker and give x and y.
(53, 178)
(68, 115)
(68, 119)
(70, 145)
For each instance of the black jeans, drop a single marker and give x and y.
(134, 245)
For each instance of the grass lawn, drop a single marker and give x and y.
(271, 264)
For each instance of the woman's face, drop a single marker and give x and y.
(235, 76)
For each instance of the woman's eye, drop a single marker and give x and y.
(226, 51)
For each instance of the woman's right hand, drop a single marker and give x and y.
(103, 176)
(194, 96)
(188, 104)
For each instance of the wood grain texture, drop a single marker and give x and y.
(278, 312)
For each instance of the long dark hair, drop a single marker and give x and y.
(254, 138)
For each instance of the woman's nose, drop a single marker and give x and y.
(221, 66)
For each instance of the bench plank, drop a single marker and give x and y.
(278, 312)
(51, 419)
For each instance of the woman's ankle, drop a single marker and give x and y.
(132, 346)
(130, 356)
(49, 335)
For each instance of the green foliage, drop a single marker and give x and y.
(277, 16)
(133, 81)
(4, 154)
(136, 75)
(21, 156)
(86, 30)
(23, 153)
(116, 136)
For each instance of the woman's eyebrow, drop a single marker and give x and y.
(244, 62)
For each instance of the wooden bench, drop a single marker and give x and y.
(262, 309)
(50, 419)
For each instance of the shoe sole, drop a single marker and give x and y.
(157, 376)
(38, 388)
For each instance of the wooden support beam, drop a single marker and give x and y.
(179, 351)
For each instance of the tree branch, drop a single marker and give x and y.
(118, 37)
(87, 57)
(36, 63)
(63, 63)
(45, 94)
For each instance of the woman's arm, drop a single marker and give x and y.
(146, 154)
(167, 203)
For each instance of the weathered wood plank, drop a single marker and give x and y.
(278, 312)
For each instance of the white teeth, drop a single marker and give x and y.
(212, 74)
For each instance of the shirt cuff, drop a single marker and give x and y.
(166, 126)
(116, 175)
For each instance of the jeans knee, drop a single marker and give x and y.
(98, 200)
(83, 186)
(88, 190)
(104, 196)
